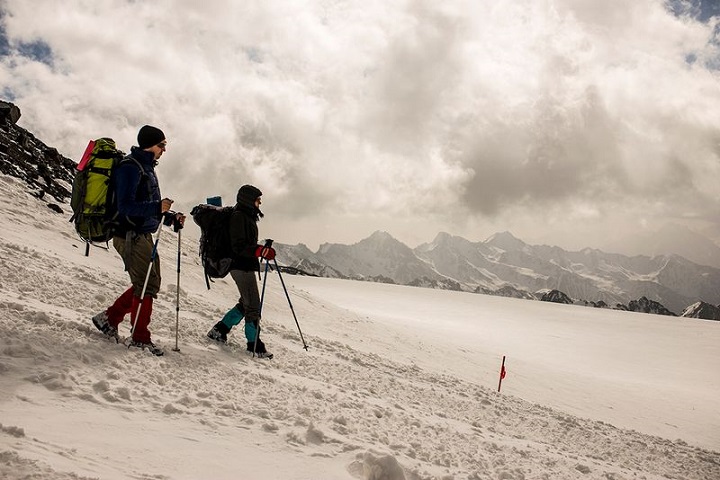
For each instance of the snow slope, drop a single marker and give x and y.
(398, 382)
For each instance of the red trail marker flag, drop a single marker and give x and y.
(502, 373)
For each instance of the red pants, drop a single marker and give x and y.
(129, 303)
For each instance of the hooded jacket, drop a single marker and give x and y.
(244, 230)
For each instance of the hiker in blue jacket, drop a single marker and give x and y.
(140, 212)
(245, 265)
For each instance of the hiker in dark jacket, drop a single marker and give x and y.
(245, 265)
(140, 209)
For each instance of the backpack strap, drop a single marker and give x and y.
(143, 174)
(101, 171)
(130, 158)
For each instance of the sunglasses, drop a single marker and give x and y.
(162, 145)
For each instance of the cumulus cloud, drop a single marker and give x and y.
(542, 118)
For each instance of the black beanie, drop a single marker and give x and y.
(248, 194)
(149, 136)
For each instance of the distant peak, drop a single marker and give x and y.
(502, 235)
(442, 237)
(380, 234)
(506, 241)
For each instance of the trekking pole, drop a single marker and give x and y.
(177, 296)
(262, 298)
(277, 268)
(147, 277)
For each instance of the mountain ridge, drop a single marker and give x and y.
(505, 265)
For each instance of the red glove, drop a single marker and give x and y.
(268, 253)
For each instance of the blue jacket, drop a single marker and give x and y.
(138, 194)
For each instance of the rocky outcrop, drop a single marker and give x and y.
(644, 305)
(702, 310)
(556, 296)
(24, 156)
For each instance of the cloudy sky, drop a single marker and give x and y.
(569, 122)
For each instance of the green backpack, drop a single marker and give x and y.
(93, 197)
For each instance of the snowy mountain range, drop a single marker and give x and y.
(505, 265)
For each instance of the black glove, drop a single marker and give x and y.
(176, 219)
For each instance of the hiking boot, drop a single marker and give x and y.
(150, 346)
(260, 351)
(101, 323)
(219, 332)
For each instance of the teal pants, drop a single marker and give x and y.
(233, 317)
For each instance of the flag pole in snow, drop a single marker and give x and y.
(502, 373)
